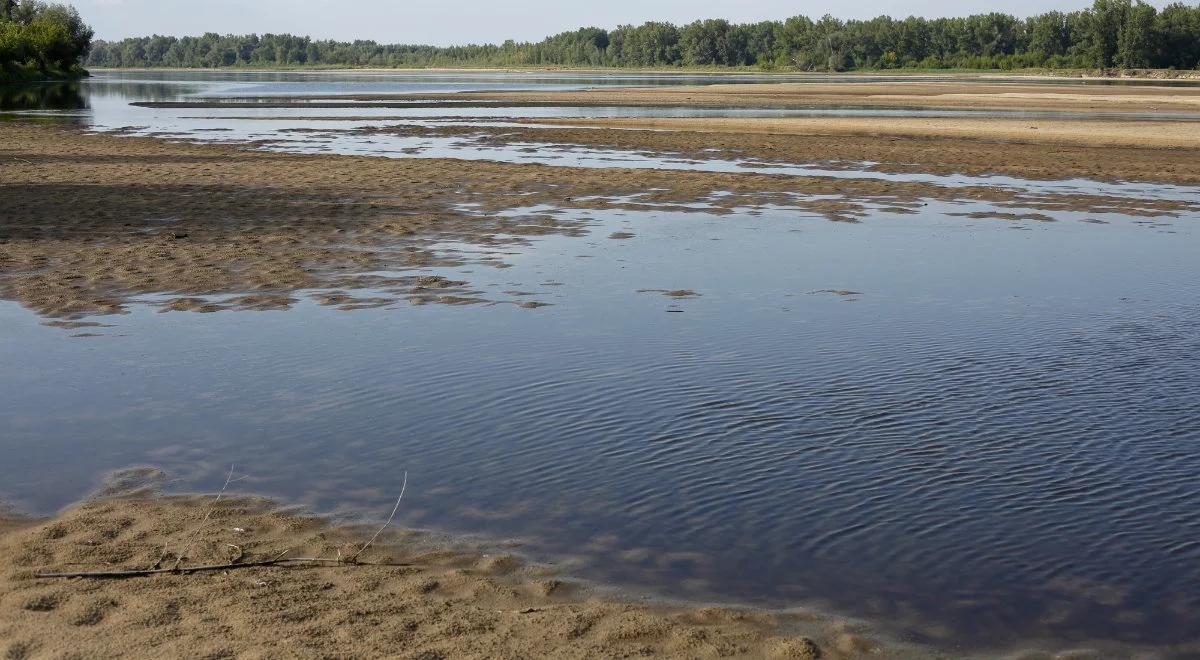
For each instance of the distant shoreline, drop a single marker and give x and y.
(1149, 75)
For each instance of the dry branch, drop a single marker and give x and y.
(279, 561)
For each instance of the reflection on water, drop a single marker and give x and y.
(976, 434)
(42, 96)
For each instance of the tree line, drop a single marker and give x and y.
(39, 40)
(1109, 34)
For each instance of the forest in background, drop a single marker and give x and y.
(39, 41)
(1109, 34)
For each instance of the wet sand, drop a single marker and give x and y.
(413, 595)
(951, 94)
(1143, 136)
(94, 221)
(1033, 149)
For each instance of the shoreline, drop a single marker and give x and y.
(429, 594)
(412, 593)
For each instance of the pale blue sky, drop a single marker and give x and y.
(444, 22)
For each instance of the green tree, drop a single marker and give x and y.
(12, 43)
(705, 43)
(36, 37)
(1048, 35)
(1136, 42)
(1110, 32)
(1177, 30)
(1107, 21)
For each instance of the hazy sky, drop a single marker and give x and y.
(444, 22)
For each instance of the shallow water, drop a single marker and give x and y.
(994, 439)
(974, 435)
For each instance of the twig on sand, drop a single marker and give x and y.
(22, 160)
(278, 561)
(403, 487)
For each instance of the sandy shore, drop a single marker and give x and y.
(412, 596)
(93, 221)
(952, 94)
(1145, 138)
(914, 94)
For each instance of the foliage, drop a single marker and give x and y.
(1112, 33)
(38, 40)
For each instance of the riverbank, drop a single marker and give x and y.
(277, 581)
(410, 594)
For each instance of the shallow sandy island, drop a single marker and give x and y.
(412, 596)
(915, 94)
(1184, 137)
(943, 94)
(1035, 149)
(92, 221)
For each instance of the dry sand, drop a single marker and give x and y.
(92, 221)
(1149, 138)
(946, 94)
(420, 597)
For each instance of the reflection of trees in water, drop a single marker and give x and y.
(44, 96)
(75, 95)
(139, 91)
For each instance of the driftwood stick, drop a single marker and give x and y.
(207, 567)
(403, 487)
(278, 560)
